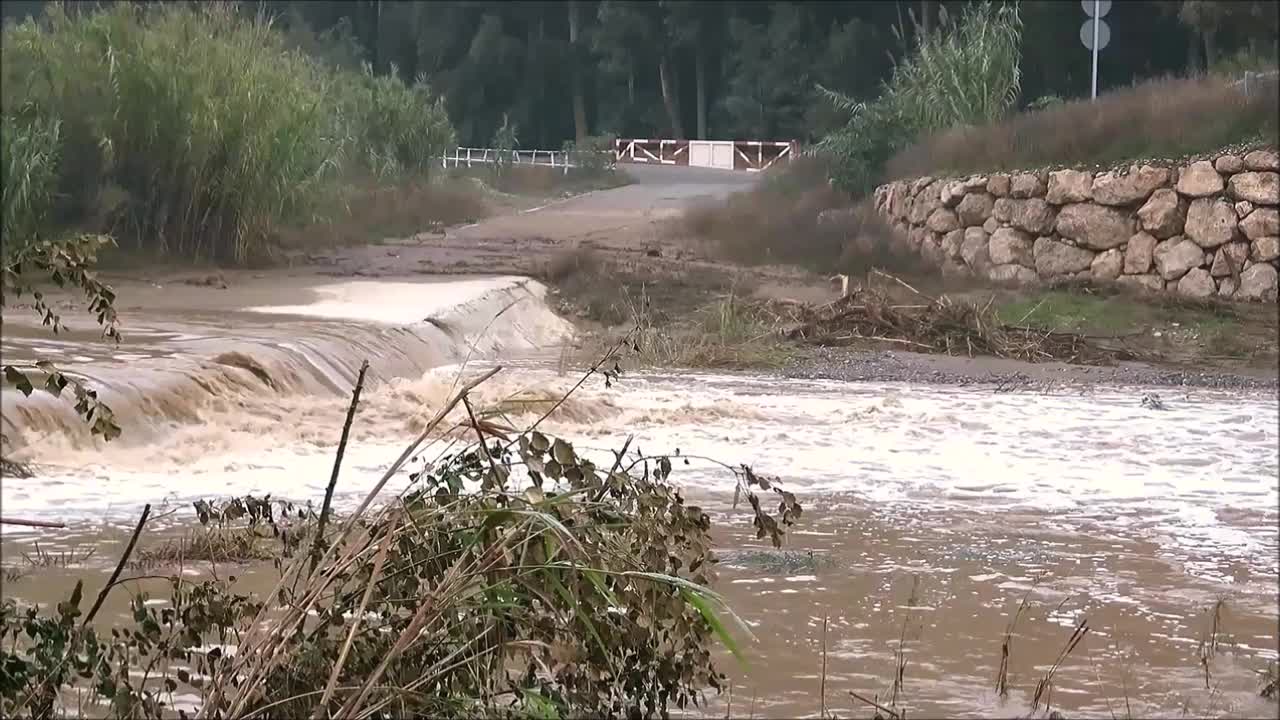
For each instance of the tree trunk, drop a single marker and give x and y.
(669, 99)
(579, 101)
(631, 85)
(700, 78)
(1193, 53)
(377, 35)
(1210, 49)
(925, 23)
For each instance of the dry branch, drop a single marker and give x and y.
(31, 523)
(942, 326)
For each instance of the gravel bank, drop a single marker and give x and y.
(894, 366)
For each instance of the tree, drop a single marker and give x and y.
(769, 83)
(633, 35)
(575, 52)
(697, 28)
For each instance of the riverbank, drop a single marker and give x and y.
(1012, 375)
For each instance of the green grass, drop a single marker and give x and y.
(1063, 310)
(1173, 328)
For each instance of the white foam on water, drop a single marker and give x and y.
(1101, 458)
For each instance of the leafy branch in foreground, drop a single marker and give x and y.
(29, 160)
(65, 263)
(514, 578)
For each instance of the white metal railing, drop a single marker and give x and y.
(743, 155)
(470, 157)
(1253, 80)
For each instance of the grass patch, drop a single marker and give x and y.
(540, 180)
(1163, 119)
(43, 559)
(216, 545)
(370, 210)
(1170, 327)
(598, 289)
(238, 530)
(673, 324)
(728, 334)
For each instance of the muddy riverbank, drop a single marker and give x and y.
(1011, 375)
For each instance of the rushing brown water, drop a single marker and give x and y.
(931, 512)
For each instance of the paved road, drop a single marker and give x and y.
(659, 192)
(631, 221)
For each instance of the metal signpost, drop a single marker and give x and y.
(1095, 34)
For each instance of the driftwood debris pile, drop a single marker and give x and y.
(938, 325)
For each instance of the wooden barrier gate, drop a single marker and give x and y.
(748, 155)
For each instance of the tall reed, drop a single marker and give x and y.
(965, 73)
(28, 175)
(192, 130)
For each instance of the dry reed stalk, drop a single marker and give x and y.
(364, 603)
(337, 465)
(1006, 645)
(254, 637)
(822, 686)
(1044, 688)
(874, 704)
(1208, 647)
(31, 523)
(115, 574)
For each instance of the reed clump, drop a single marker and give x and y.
(190, 129)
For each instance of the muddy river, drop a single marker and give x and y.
(931, 512)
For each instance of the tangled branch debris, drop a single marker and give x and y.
(933, 325)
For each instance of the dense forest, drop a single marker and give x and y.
(561, 69)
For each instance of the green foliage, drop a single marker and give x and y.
(43, 654)
(1044, 102)
(208, 127)
(29, 162)
(593, 156)
(583, 595)
(195, 131)
(29, 149)
(391, 128)
(506, 140)
(769, 78)
(64, 263)
(962, 75)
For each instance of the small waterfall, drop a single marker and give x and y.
(272, 361)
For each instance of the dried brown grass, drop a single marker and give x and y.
(368, 210)
(542, 180)
(937, 325)
(778, 222)
(1169, 118)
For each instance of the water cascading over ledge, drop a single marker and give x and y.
(260, 357)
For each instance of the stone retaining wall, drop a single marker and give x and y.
(1210, 227)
